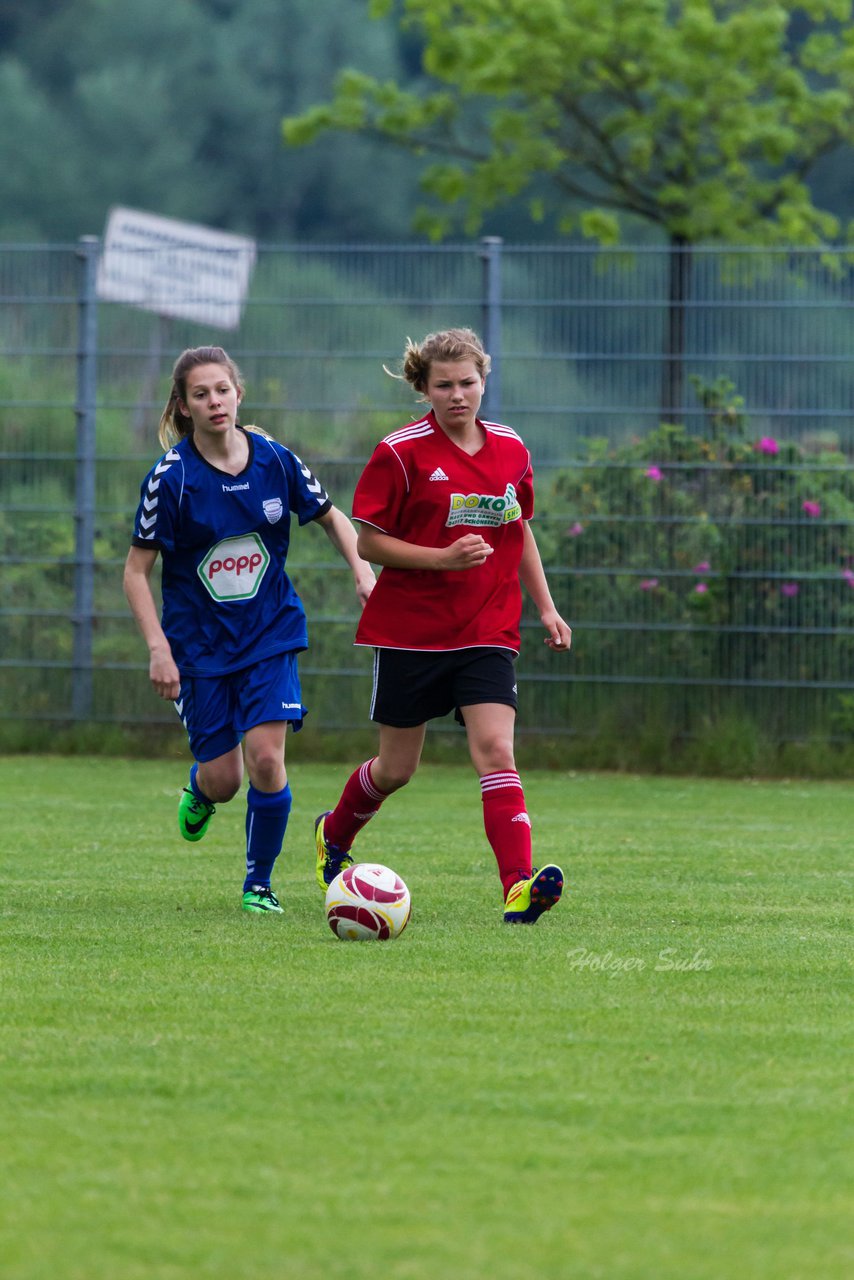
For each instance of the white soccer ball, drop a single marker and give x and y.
(366, 901)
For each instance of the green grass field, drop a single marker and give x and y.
(650, 1084)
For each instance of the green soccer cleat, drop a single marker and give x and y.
(330, 859)
(194, 815)
(528, 899)
(260, 897)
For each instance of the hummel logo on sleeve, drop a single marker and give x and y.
(438, 474)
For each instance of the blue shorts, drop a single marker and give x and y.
(217, 710)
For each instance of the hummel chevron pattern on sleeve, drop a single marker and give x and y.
(148, 513)
(312, 483)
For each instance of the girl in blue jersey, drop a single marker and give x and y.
(217, 509)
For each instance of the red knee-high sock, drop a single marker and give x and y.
(360, 801)
(508, 827)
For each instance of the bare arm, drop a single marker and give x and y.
(533, 579)
(381, 548)
(340, 532)
(161, 668)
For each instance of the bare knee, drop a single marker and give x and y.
(493, 755)
(391, 776)
(266, 770)
(398, 756)
(220, 784)
(489, 729)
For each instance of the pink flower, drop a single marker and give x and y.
(848, 575)
(768, 445)
(702, 567)
(649, 584)
(654, 473)
(812, 509)
(701, 588)
(575, 529)
(789, 589)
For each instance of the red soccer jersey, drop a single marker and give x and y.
(420, 486)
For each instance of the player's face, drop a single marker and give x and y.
(455, 390)
(212, 399)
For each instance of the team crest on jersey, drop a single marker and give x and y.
(235, 567)
(484, 508)
(273, 509)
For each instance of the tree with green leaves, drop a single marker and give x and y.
(703, 118)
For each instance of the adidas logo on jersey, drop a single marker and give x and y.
(438, 474)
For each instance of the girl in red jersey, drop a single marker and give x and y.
(444, 506)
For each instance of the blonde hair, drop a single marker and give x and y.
(174, 424)
(445, 346)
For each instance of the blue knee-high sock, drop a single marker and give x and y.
(194, 786)
(266, 822)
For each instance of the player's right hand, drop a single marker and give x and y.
(164, 674)
(467, 552)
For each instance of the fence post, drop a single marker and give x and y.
(84, 498)
(490, 252)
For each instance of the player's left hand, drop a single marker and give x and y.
(366, 580)
(559, 635)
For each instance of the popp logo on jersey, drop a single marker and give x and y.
(235, 567)
(484, 508)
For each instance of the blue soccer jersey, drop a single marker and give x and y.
(223, 539)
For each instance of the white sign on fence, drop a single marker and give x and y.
(175, 268)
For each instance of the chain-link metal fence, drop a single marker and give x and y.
(707, 566)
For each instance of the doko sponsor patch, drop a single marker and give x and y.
(484, 508)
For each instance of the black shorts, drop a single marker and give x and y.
(413, 686)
